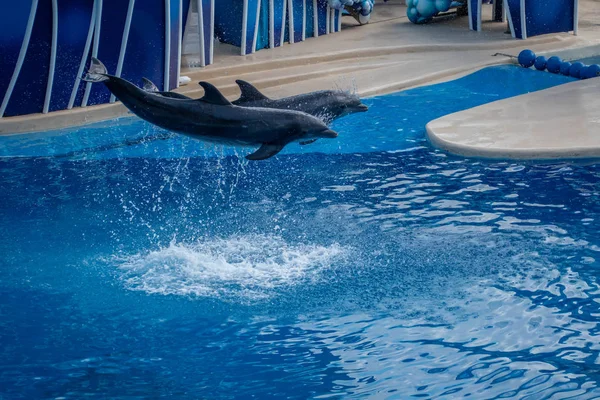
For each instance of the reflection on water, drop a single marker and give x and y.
(394, 273)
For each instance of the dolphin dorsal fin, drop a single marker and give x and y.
(149, 86)
(249, 92)
(213, 95)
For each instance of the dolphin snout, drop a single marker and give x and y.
(328, 133)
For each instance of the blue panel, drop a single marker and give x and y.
(74, 18)
(279, 20)
(174, 57)
(12, 30)
(336, 18)
(253, 16)
(473, 15)
(262, 40)
(544, 16)
(209, 34)
(146, 46)
(514, 7)
(228, 21)
(310, 24)
(298, 13)
(323, 15)
(30, 90)
(186, 9)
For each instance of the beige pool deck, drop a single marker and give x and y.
(387, 55)
(560, 122)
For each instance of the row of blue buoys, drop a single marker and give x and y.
(555, 65)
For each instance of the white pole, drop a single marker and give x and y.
(52, 57)
(315, 19)
(201, 32)
(86, 51)
(244, 26)
(576, 18)
(470, 12)
(510, 21)
(179, 41)
(303, 20)
(88, 86)
(124, 41)
(271, 24)
(291, 20)
(212, 32)
(523, 21)
(255, 38)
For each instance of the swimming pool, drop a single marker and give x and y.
(367, 266)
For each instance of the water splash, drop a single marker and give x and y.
(240, 268)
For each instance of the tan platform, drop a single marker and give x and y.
(560, 122)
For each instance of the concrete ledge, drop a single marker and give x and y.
(560, 122)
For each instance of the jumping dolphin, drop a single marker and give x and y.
(213, 118)
(149, 86)
(327, 105)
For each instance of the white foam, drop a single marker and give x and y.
(241, 267)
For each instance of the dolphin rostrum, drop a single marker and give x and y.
(213, 118)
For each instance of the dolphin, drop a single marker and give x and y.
(327, 105)
(213, 118)
(150, 87)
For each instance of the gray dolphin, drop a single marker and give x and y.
(213, 118)
(150, 87)
(327, 105)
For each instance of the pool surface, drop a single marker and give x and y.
(138, 265)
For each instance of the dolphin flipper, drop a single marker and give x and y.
(249, 92)
(304, 143)
(149, 86)
(97, 72)
(265, 151)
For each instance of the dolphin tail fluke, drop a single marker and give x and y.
(149, 86)
(265, 151)
(97, 72)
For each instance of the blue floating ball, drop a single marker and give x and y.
(540, 63)
(564, 68)
(526, 58)
(593, 71)
(583, 74)
(575, 69)
(553, 64)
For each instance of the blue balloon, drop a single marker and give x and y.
(553, 64)
(564, 68)
(526, 58)
(592, 71)
(575, 69)
(540, 63)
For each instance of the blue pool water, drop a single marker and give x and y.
(370, 266)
